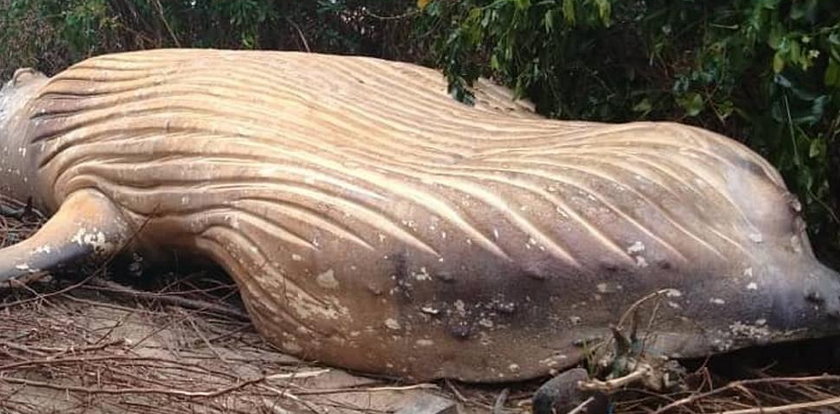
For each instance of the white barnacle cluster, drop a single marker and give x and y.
(422, 275)
(635, 250)
(739, 332)
(392, 324)
(45, 249)
(723, 343)
(327, 308)
(24, 267)
(554, 362)
(672, 295)
(608, 287)
(750, 283)
(430, 310)
(95, 239)
(327, 280)
(755, 331)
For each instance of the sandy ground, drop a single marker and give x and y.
(96, 348)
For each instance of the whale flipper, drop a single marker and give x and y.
(86, 224)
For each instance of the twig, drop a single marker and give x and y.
(638, 303)
(132, 390)
(113, 327)
(300, 34)
(499, 405)
(135, 360)
(121, 308)
(46, 295)
(788, 408)
(405, 15)
(42, 350)
(305, 391)
(298, 375)
(695, 397)
(206, 342)
(116, 288)
(582, 406)
(455, 391)
(166, 23)
(610, 386)
(22, 348)
(285, 392)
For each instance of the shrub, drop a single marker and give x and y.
(52, 34)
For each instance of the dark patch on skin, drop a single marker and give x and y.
(745, 163)
(401, 275)
(535, 275)
(461, 329)
(610, 267)
(445, 276)
(753, 167)
(814, 297)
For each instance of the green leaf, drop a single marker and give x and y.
(724, 109)
(643, 106)
(832, 74)
(776, 35)
(818, 147)
(768, 4)
(604, 11)
(569, 11)
(778, 62)
(548, 21)
(834, 46)
(692, 103)
(795, 52)
(804, 10)
(522, 4)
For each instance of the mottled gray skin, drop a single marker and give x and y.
(15, 173)
(374, 224)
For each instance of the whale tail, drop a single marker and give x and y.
(87, 224)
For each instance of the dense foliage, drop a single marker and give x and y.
(766, 72)
(51, 34)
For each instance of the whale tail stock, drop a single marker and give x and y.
(86, 224)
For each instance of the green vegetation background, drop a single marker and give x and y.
(766, 72)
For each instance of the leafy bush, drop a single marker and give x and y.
(766, 72)
(51, 34)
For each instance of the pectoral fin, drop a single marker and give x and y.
(86, 224)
